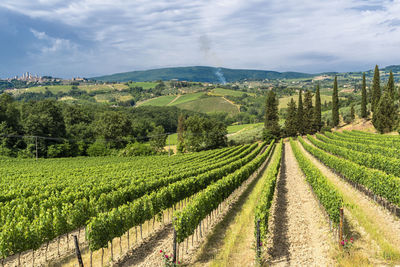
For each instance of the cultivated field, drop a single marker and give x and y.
(286, 194)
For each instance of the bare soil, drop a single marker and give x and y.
(300, 235)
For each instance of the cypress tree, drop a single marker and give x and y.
(390, 85)
(385, 116)
(317, 111)
(364, 113)
(335, 104)
(291, 119)
(376, 89)
(300, 115)
(308, 113)
(180, 130)
(352, 113)
(271, 124)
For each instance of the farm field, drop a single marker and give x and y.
(227, 92)
(209, 105)
(187, 98)
(293, 188)
(158, 101)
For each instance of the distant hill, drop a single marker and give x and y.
(200, 74)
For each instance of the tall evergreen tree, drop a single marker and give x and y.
(335, 104)
(308, 113)
(317, 111)
(390, 85)
(376, 89)
(384, 118)
(181, 130)
(300, 115)
(364, 113)
(352, 113)
(291, 119)
(271, 123)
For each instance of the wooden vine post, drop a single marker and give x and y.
(341, 227)
(258, 240)
(174, 247)
(78, 252)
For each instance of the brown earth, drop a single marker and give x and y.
(300, 235)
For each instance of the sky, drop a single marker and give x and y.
(86, 38)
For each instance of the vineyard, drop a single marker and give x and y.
(327, 199)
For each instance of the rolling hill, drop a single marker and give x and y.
(200, 74)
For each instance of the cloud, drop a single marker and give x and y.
(53, 44)
(103, 36)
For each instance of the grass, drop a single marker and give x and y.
(249, 134)
(239, 242)
(235, 128)
(158, 101)
(187, 98)
(227, 92)
(208, 105)
(173, 139)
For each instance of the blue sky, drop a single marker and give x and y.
(67, 38)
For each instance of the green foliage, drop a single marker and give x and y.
(59, 150)
(271, 123)
(98, 149)
(352, 113)
(308, 113)
(158, 138)
(335, 104)
(390, 86)
(114, 127)
(164, 193)
(325, 191)
(364, 113)
(380, 183)
(376, 161)
(207, 200)
(291, 119)
(199, 74)
(262, 210)
(137, 149)
(317, 120)
(60, 196)
(202, 133)
(376, 90)
(300, 115)
(385, 116)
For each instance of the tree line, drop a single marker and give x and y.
(66, 129)
(305, 118)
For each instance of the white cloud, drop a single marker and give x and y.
(309, 36)
(52, 44)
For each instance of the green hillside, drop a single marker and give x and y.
(158, 101)
(200, 74)
(209, 105)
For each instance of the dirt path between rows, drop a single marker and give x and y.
(385, 223)
(231, 102)
(300, 234)
(173, 100)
